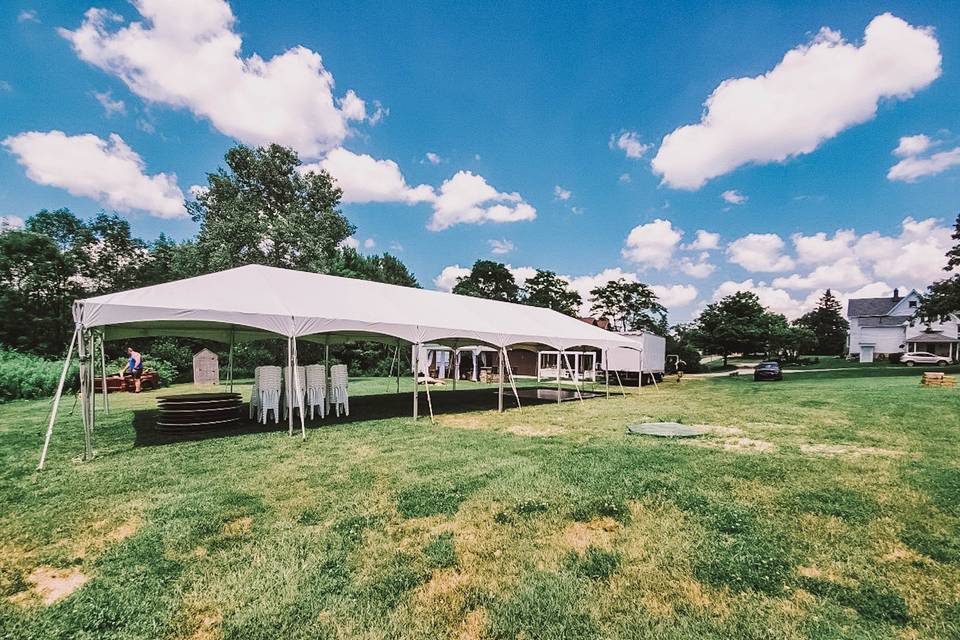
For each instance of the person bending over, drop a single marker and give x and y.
(135, 367)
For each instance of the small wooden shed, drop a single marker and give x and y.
(206, 368)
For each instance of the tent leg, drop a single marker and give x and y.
(456, 366)
(397, 352)
(91, 386)
(558, 377)
(416, 389)
(298, 390)
(230, 361)
(513, 382)
(103, 370)
(288, 387)
(426, 385)
(500, 383)
(56, 401)
(623, 391)
(326, 369)
(84, 399)
(606, 370)
(576, 383)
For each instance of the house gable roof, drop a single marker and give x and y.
(860, 307)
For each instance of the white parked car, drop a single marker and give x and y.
(922, 357)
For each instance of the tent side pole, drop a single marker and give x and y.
(500, 382)
(426, 385)
(623, 391)
(56, 401)
(92, 376)
(326, 374)
(298, 389)
(455, 364)
(576, 383)
(606, 370)
(84, 399)
(288, 387)
(558, 376)
(230, 360)
(416, 376)
(397, 352)
(103, 370)
(513, 382)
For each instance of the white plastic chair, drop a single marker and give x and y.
(317, 389)
(289, 391)
(255, 394)
(338, 388)
(268, 390)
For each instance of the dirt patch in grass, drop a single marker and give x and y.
(49, 585)
(473, 625)
(846, 450)
(598, 532)
(737, 445)
(535, 432)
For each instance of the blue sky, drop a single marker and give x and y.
(531, 116)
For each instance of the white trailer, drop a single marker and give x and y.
(648, 359)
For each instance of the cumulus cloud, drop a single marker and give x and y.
(733, 197)
(467, 198)
(678, 295)
(775, 299)
(350, 242)
(624, 178)
(701, 268)
(629, 143)
(816, 91)
(913, 168)
(363, 178)
(27, 15)
(652, 244)
(916, 256)
(446, 280)
(188, 55)
(705, 241)
(759, 252)
(110, 105)
(560, 193)
(843, 273)
(369, 243)
(10, 223)
(820, 248)
(912, 145)
(106, 170)
(501, 247)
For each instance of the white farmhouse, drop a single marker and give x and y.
(881, 326)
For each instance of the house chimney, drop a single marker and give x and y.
(896, 294)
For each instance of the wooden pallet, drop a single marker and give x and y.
(937, 379)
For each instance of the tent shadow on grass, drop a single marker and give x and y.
(363, 408)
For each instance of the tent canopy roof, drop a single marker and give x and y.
(255, 302)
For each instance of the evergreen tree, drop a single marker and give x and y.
(827, 323)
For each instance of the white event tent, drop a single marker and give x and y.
(256, 302)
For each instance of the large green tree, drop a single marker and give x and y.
(629, 306)
(547, 289)
(350, 263)
(943, 297)
(827, 324)
(737, 323)
(263, 209)
(490, 280)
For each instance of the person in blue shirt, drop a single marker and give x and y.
(135, 367)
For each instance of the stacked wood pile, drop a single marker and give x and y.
(937, 379)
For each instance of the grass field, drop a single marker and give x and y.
(825, 506)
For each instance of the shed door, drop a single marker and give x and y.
(866, 353)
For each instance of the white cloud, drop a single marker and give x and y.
(912, 145)
(652, 244)
(522, 274)
(843, 273)
(9, 223)
(913, 168)
(733, 197)
(816, 91)
(820, 248)
(915, 257)
(366, 179)
(629, 143)
(699, 269)
(560, 193)
(187, 55)
(106, 170)
(759, 252)
(369, 243)
(705, 241)
(109, 104)
(432, 158)
(777, 300)
(467, 198)
(447, 279)
(501, 247)
(624, 178)
(27, 15)
(678, 295)
(350, 242)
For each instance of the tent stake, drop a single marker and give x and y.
(103, 370)
(56, 401)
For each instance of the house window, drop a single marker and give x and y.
(912, 304)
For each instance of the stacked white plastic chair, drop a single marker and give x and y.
(268, 383)
(316, 384)
(255, 394)
(338, 388)
(290, 389)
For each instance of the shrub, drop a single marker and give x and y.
(28, 377)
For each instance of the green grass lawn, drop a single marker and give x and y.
(824, 506)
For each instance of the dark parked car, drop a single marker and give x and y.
(769, 370)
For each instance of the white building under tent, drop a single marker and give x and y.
(256, 302)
